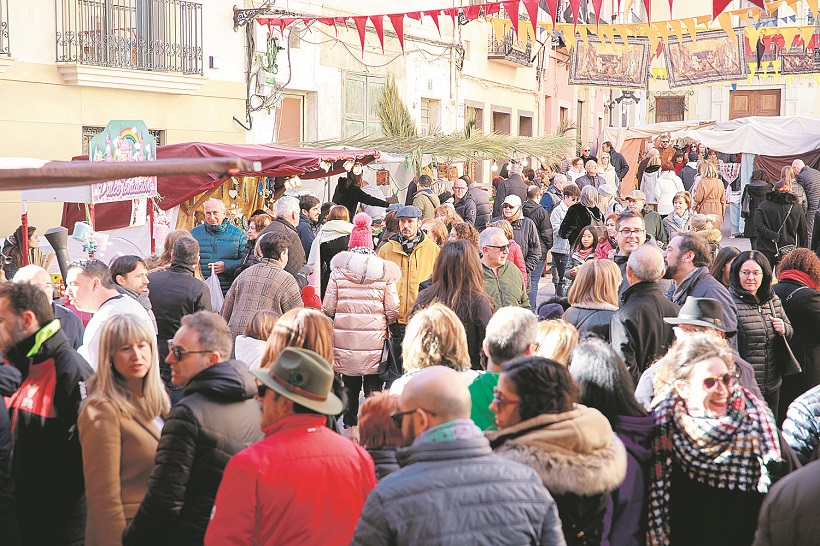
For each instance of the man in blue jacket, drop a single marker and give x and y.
(220, 244)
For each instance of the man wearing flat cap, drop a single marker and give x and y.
(304, 483)
(415, 254)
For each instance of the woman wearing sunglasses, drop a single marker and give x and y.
(572, 447)
(119, 425)
(716, 449)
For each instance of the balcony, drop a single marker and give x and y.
(116, 43)
(510, 50)
(4, 28)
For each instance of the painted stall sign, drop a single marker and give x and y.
(124, 140)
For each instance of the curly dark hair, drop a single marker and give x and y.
(467, 232)
(802, 259)
(544, 386)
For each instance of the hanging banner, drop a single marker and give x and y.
(597, 63)
(127, 140)
(798, 62)
(715, 57)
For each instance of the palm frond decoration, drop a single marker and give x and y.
(393, 113)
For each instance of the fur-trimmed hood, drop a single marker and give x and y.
(573, 452)
(596, 306)
(711, 235)
(364, 268)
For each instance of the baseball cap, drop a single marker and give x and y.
(636, 195)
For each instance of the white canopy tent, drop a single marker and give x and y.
(771, 136)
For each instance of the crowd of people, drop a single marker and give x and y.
(387, 374)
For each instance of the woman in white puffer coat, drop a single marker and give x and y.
(362, 299)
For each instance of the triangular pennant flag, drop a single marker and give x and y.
(703, 20)
(415, 15)
(771, 7)
(749, 77)
(575, 6)
(812, 7)
(397, 20)
(692, 28)
(624, 34)
(789, 78)
(532, 10)
(330, 21)
(744, 16)
(378, 24)
(452, 12)
(677, 30)
(655, 45)
(361, 26)
(718, 6)
(582, 32)
(596, 7)
(605, 33)
(752, 34)
(499, 27)
(662, 29)
(793, 18)
(470, 13)
(433, 14)
(512, 12)
(789, 34)
(734, 87)
(725, 22)
(569, 37)
(627, 6)
(493, 8)
(647, 4)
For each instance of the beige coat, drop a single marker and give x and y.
(710, 198)
(361, 297)
(118, 456)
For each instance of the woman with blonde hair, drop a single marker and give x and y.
(119, 426)
(447, 214)
(710, 195)
(796, 189)
(593, 297)
(301, 328)
(435, 229)
(434, 336)
(555, 340)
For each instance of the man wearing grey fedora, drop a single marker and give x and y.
(699, 315)
(302, 484)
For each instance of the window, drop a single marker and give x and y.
(157, 35)
(90, 131)
(502, 122)
(361, 94)
(669, 108)
(430, 117)
(525, 125)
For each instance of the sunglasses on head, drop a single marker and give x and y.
(729, 379)
(508, 206)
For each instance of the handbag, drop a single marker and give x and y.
(781, 251)
(390, 365)
(784, 357)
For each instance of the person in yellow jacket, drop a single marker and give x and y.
(415, 254)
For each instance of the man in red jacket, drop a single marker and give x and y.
(303, 484)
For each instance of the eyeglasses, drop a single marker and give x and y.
(261, 390)
(729, 379)
(398, 416)
(179, 353)
(753, 274)
(625, 233)
(508, 206)
(502, 248)
(499, 400)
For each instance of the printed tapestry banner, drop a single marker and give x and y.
(605, 64)
(798, 62)
(123, 140)
(714, 57)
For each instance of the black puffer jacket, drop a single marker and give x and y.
(770, 215)
(810, 180)
(756, 335)
(483, 209)
(578, 217)
(216, 418)
(756, 191)
(590, 317)
(526, 235)
(538, 214)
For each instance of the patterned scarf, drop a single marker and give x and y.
(729, 452)
(460, 429)
(408, 245)
(680, 221)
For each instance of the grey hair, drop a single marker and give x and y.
(287, 206)
(590, 162)
(509, 332)
(798, 164)
(515, 168)
(562, 180)
(214, 334)
(218, 201)
(646, 263)
(186, 250)
(589, 196)
(487, 236)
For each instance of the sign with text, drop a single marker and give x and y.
(124, 140)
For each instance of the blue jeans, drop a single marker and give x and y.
(535, 276)
(559, 267)
(735, 220)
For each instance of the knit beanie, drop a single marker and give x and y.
(361, 234)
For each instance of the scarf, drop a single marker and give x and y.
(584, 253)
(330, 231)
(408, 246)
(680, 221)
(729, 452)
(799, 276)
(460, 429)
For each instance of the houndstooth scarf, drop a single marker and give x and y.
(729, 452)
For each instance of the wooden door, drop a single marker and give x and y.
(669, 108)
(760, 102)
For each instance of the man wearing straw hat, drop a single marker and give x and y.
(302, 484)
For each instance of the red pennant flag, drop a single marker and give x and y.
(472, 12)
(330, 21)
(575, 5)
(433, 14)
(670, 6)
(512, 12)
(759, 3)
(596, 7)
(397, 19)
(415, 15)
(361, 26)
(553, 8)
(718, 6)
(492, 8)
(647, 4)
(532, 10)
(378, 24)
(452, 12)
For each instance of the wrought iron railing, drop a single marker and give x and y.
(155, 35)
(4, 28)
(510, 48)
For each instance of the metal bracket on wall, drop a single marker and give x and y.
(242, 17)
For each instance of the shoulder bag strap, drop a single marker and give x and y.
(785, 219)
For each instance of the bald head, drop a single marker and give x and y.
(645, 264)
(440, 392)
(37, 276)
(797, 166)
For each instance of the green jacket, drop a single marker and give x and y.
(507, 289)
(428, 202)
(481, 391)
